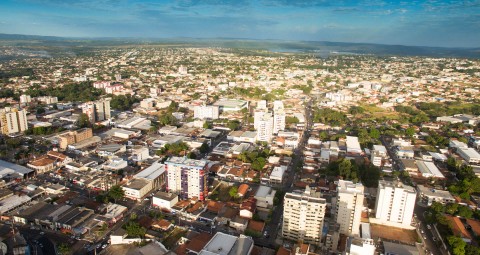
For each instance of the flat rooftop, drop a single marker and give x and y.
(186, 161)
(7, 168)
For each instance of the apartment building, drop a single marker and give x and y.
(13, 120)
(72, 137)
(187, 177)
(348, 206)
(206, 112)
(265, 127)
(395, 203)
(378, 153)
(97, 110)
(303, 216)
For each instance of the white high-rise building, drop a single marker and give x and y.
(206, 112)
(13, 120)
(265, 127)
(187, 177)
(262, 104)
(278, 105)
(257, 116)
(278, 121)
(25, 99)
(395, 203)
(303, 215)
(349, 205)
(98, 110)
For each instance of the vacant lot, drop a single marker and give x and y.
(391, 233)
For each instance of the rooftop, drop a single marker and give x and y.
(186, 161)
(9, 168)
(152, 172)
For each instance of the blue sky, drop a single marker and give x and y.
(430, 23)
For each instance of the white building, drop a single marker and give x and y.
(48, 100)
(349, 205)
(187, 177)
(395, 204)
(13, 120)
(265, 128)
(140, 153)
(278, 121)
(264, 197)
(25, 99)
(225, 244)
(379, 153)
(164, 200)
(360, 246)
(206, 112)
(353, 146)
(98, 110)
(470, 155)
(303, 215)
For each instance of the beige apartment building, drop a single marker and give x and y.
(74, 137)
(13, 120)
(303, 215)
(348, 206)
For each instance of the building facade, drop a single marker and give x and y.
(187, 177)
(206, 112)
(13, 120)
(395, 203)
(348, 206)
(98, 110)
(303, 216)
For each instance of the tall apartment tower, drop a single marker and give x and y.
(265, 127)
(348, 205)
(13, 120)
(303, 215)
(187, 177)
(278, 121)
(98, 110)
(395, 203)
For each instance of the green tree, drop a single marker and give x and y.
(465, 211)
(451, 208)
(204, 148)
(374, 133)
(207, 125)
(135, 230)
(167, 119)
(233, 192)
(83, 121)
(258, 163)
(457, 244)
(233, 124)
(64, 248)
(345, 168)
(410, 131)
(116, 192)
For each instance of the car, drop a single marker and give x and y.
(425, 237)
(104, 246)
(42, 233)
(422, 231)
(435, 239)
(429, 227)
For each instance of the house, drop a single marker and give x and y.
(265, 196)
(248, 208)
(242, 189)
(163, 225)
(239, 223)
(256, 226)
(164, 200)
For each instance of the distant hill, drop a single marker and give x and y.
(321, 48)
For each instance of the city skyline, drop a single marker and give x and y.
(421, 23)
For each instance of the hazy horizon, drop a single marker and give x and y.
(420, 23)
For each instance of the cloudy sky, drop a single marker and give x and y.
(430, 23)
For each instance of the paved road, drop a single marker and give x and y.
(434, 247)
